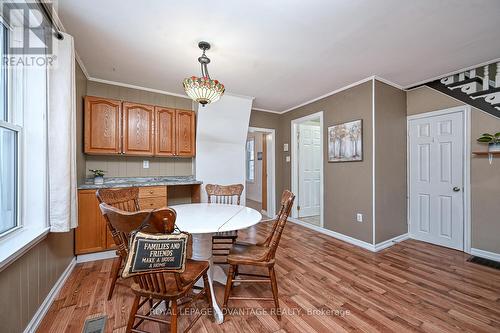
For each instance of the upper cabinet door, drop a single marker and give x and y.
(138, 129)
(165, 131)
(186, 144)
(102, 126)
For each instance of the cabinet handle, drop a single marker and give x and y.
(151, 192)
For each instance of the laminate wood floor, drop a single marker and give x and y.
(325, 285)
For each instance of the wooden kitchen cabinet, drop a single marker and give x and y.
(133, 129)
(138, 129)
(185, 136)
(91, 234)
(165, 132)
(102, 126)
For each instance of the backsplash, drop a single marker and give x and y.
(121, 166)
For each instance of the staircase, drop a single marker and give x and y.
(479, 87)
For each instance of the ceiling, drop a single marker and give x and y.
(282, 52)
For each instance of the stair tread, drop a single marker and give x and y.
(461, 83)
(485, 92)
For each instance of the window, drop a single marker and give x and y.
(250, 160)
(9, 151)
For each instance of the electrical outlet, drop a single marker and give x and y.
(288, 158)
(285, 147)
(145, 164)
(359, 217)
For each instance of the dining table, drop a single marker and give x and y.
(203, 220)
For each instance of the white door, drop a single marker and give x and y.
(436, 165)
(309, 155)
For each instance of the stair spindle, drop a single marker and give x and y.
(461, 76)
(472, 73)
(486, 79)
(497, 77)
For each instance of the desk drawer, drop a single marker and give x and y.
(152, 191)
(151, 203)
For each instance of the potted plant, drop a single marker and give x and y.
(98, 176)
(493, 141)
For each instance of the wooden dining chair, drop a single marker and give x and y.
(261, 254)
(166, 286)
(126, 199)
(223, 241)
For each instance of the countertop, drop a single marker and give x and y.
(139, 181)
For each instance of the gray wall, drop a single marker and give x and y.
(121, 166)
(485, 178)
(390, 162)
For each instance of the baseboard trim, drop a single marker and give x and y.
(342, 237)
(390, 242)
(96, 256)
(352, 240)
(47, 302)
(485, 254)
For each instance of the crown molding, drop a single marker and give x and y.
(395, 85)
(330, 93)
(126, 85)
(266, 110)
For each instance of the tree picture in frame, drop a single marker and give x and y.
(345, 142)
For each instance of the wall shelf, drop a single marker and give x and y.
(487, 153)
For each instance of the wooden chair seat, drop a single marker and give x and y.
(193, 272)
(242, 254)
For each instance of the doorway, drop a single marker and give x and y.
(260, 170)
(438, 177)
(307, 168)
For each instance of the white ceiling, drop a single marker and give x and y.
(282, 52)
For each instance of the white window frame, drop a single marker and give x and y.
(27, 114)
(248, 160)
(10, 124)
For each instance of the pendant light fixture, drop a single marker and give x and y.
(203, 89)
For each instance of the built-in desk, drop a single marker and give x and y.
(92, 235)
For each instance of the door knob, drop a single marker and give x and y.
(456, 189)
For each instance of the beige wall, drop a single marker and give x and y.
(347, 186)
(121, 166)
(272, 121)
(390, 162)
(254, 189)
(26, 282)
(485, 178)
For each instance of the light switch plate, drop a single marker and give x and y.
(359, 217)
(145, 164)
(288, 158)
(285, 147)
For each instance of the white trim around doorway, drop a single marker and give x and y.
(294, 162)
(271, 169)
(466, 111)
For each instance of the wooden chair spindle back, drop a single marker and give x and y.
(160, 221)
(273, 240)
(224, 194)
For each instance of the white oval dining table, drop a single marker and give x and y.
(202, 220)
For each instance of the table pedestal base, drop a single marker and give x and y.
(202, 250)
